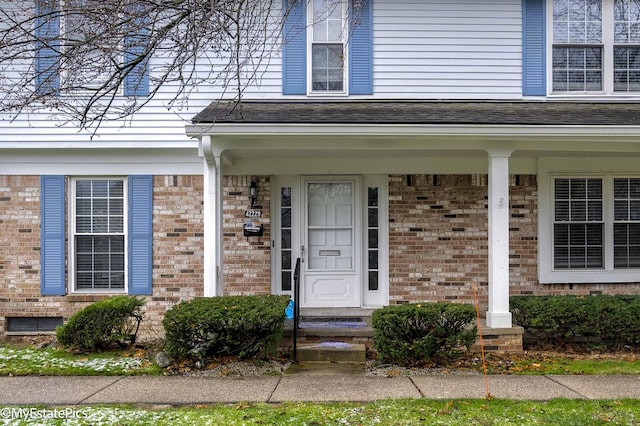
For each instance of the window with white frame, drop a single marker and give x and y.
(578, 229)
(98, 235)
(626, 223)
(89, 57)
(327, 46)
(596, 46)
(596, 223)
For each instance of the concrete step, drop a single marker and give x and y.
(332, 328)
(333, 352)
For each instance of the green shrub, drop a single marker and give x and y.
(107, 324)
(242, 326)
(416, 333)
(587, 322)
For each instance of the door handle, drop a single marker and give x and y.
(302, 253)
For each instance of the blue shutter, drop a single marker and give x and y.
(294, 48)
(361, 49)
(52, 263)
(47, 48)
(140, 234)
(136, 82)
(533, 48)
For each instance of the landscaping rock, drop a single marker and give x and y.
(163, 359)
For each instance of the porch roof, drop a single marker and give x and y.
(526, 113)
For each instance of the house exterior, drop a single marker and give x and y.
(433, 151)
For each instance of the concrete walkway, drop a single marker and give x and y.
(177, 390)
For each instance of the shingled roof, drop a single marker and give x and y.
(423, 112)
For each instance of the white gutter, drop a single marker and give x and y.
(404, 130)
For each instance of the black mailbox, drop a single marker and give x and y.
(251, 230)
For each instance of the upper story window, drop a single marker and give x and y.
(85, 30)
(327, 46)
(82, 47)
(596, 46)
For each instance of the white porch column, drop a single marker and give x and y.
(498, 315)
(213, 283)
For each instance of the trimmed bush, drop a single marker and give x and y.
(107, 324)
(413, 334)
(242, 326)
(587, 322)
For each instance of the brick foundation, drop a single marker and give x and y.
(498, 339)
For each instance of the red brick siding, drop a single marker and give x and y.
(178, 245)
(437, 238)
(19, 249)
(177, 249)
(437, 234)
(438, 248)
(247, 260)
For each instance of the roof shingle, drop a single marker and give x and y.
(423, 112)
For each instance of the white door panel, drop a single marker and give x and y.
(330, 274)
(329, 291)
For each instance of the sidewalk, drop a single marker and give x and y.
(177, 390)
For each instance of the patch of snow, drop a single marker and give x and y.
(334, 345)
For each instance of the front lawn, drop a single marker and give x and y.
(544, 362)
(20, 361)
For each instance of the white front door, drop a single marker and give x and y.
(330, 274)
(337, 227)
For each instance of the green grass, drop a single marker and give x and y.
(545, 364)
(389, 412)
(20, 361)
(587, 367)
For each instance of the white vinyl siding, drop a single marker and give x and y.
(448, 50)
(423, 49)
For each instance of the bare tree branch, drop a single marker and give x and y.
(93, 49)
(78, 59)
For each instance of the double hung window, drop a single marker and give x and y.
(578, 226)
(98, 234)
(90, 50)
(596, 46)
(82, 48)
(327, 46)
(596, 223)
(626, 223)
